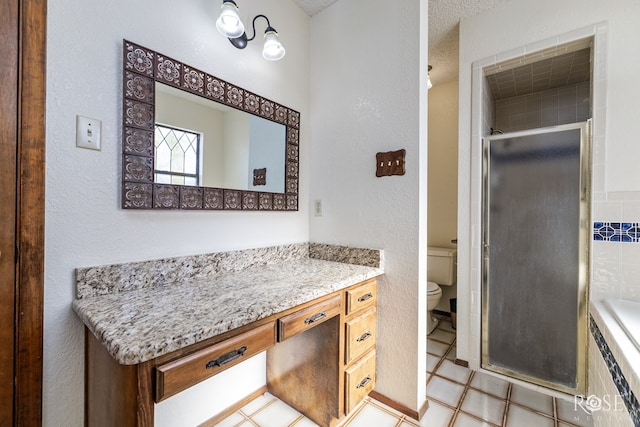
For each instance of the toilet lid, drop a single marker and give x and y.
(433, 288)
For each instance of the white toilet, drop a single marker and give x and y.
(441, 271)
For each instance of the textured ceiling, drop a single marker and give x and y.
(444, 29)
(444, 19)
(311, 7)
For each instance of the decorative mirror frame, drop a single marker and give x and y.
(142, 68)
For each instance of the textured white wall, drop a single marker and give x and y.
(501, 34)
(84, 224)
(443, 173)
(443, 164)
(368, 92)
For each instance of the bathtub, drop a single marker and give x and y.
(615, 328)
(627, 314)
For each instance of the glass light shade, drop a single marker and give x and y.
(229, 23)
(273, 49)
(429, 84)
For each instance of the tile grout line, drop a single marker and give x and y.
(249, 420)
(507, 404)
(296, 421)
(462, 396)
(354, 414)
(245, 418)
(443, 357)
(256, 412)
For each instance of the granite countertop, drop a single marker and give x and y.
(139, 325)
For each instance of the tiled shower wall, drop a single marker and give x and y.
(616, 249)
(568, 104)
(489, 106)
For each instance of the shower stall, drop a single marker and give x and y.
(535, 255)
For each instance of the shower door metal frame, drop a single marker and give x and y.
(583, 251)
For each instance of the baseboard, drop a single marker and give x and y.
(233, 408)
(461, 362)
(416, 415)
(442, 313)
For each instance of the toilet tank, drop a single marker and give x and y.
(441, 265)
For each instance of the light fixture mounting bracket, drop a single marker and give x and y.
(241, 42)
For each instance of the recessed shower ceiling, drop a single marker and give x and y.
(550, 73)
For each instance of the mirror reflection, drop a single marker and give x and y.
(222, 160)
(199, 142)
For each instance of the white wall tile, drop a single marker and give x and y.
(476, 302)
(607, 211)
(510, 54)
(598, 149)
(630, 255)
(631, 210)
(607, 252)
(602, 385)
(542, 44)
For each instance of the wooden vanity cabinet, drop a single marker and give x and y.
(320, 360)
(304, 368)
(360, 327)
(326, 370)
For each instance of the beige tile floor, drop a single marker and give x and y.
(458, 397)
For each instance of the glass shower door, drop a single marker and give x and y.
(535, 231)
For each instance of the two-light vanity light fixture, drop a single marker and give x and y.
(230, 26)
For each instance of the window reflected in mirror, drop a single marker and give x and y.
(232, 143)
(177, 157)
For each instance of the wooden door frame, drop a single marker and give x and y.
(22, 127)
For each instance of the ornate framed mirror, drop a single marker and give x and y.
(147, 181)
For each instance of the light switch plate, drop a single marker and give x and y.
(390, 163)
(88, 133)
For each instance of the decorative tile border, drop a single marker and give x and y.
(616, 231)
(629, 398)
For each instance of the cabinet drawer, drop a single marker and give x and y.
(181, 374)
(360, 379)
(360, 334)
(361, 297)
(307, 318)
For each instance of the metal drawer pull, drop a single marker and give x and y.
(226, 358)
(315, 318)
(364, 381)
(364, 336)
(365, 297)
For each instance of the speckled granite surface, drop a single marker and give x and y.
(107, 279)
(349, 255)
(156, 318)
